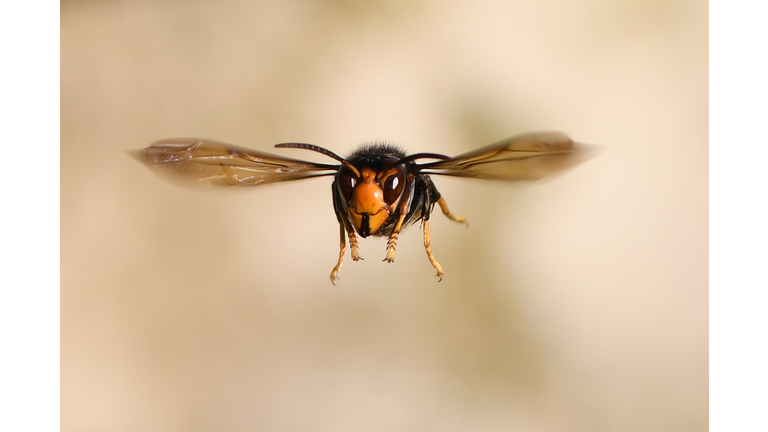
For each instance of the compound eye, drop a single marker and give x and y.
(347, 182)
(393, 185)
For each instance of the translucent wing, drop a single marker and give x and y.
(197, 160)
(524, 157)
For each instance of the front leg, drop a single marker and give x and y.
(403, 207)
(344, 227)
(353, 245)
(392, 241)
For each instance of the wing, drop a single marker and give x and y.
(523, 157)
(197, 160)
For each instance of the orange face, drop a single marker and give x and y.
(371, 196)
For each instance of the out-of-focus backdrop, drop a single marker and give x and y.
(576, 304)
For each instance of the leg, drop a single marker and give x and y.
(444, 207)
(428, 247)
(405, 205)
(392, 241)
(342, 252)
(344, 226)
(353, 246)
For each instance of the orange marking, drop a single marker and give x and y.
(368, 197)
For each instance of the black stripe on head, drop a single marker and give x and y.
(365, 226)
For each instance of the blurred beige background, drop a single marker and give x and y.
(577, 304)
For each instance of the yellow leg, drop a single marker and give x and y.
(353, 245)
(428, 247)
(444, 207)
(392, 241)
(342, 252)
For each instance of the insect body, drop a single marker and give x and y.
(378, 189)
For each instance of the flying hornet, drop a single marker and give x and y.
(377, 189)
